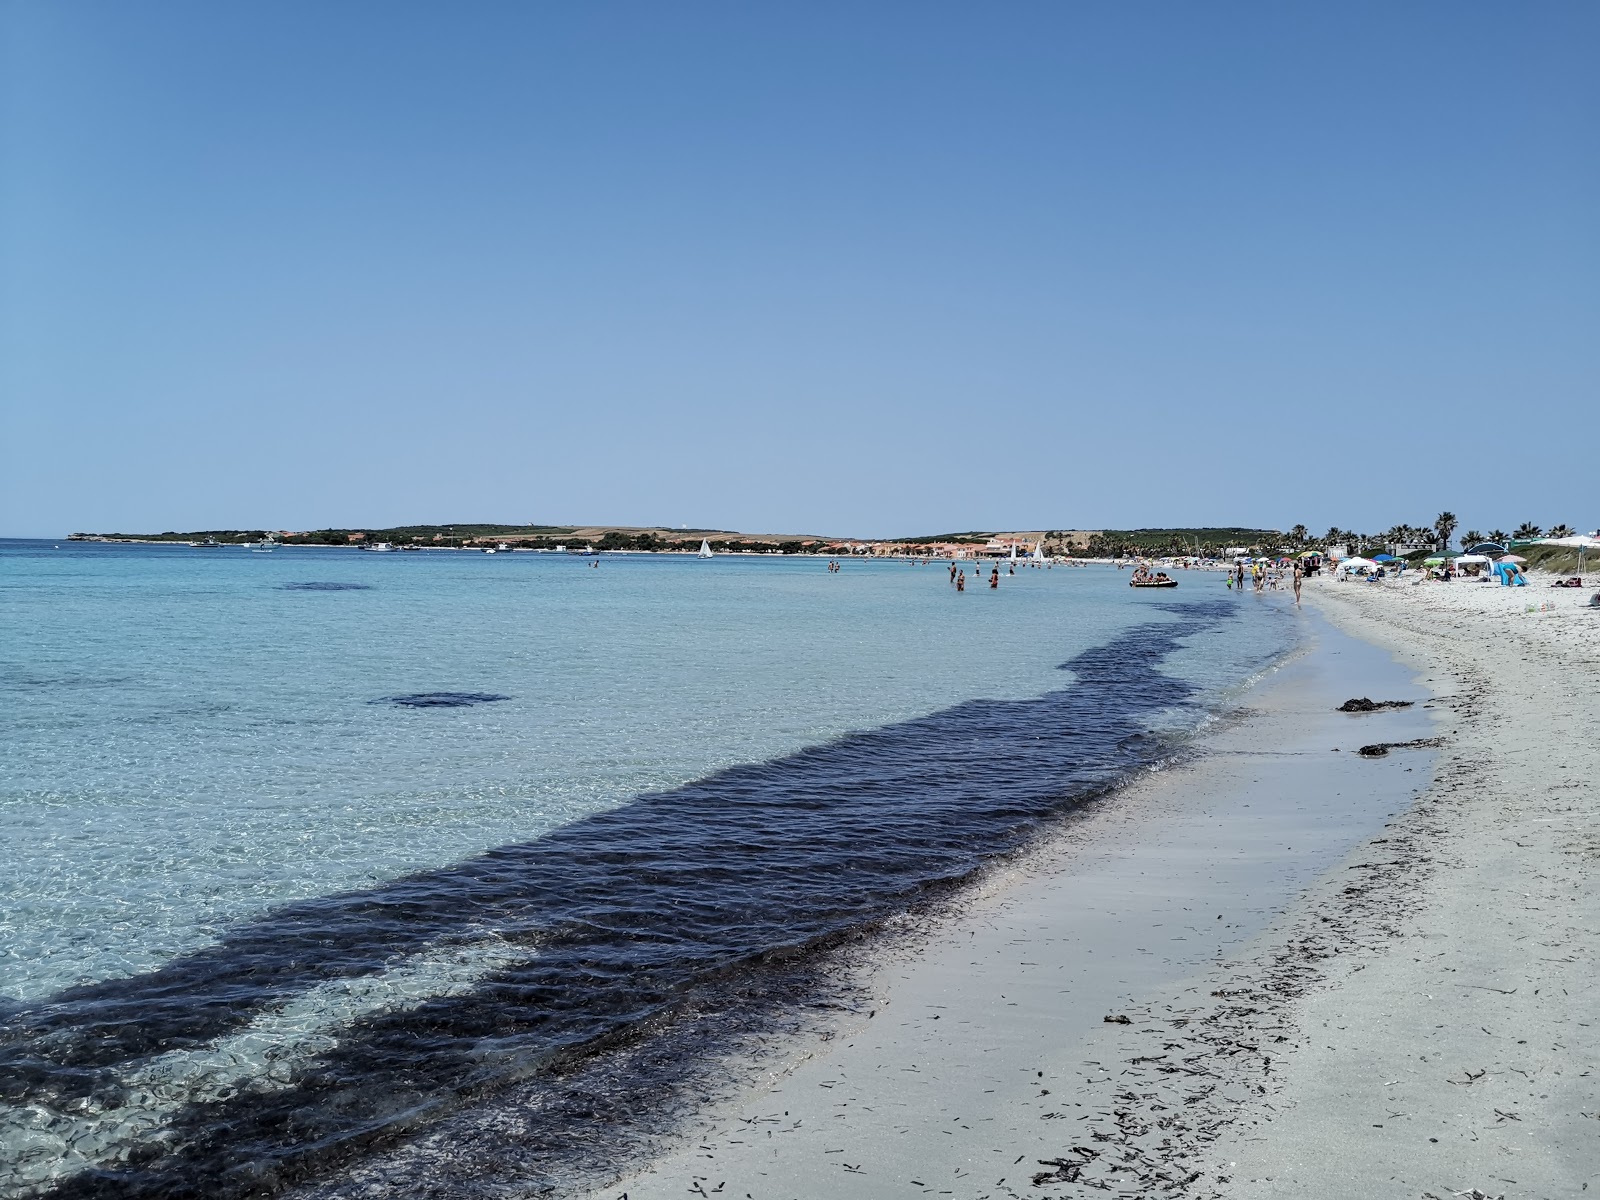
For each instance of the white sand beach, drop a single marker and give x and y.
(1329, 974)
(1453, 1049)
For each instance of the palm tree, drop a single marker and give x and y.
(1470, 538)
(1561, 531)
(1527, 531)
(1299, 534)
(1444, 525)
(1333, 535)
(1498, 535)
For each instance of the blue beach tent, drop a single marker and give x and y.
(1510, 575)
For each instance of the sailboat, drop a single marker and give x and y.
(1038, 551)
(1013, 554)
(705, 548)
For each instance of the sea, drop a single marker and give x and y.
(309, 854)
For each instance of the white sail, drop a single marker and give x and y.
(1038, 551)
(705, 548)
(1013, 552)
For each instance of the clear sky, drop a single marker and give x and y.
(854, 267)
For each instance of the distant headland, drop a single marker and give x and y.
(1086, 543)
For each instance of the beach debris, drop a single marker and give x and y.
(1118, 1019)
(1363, 705)
(1379, 749)
(1066, 1170)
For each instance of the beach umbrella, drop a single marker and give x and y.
(1471, 558)
(1511, 558)
(1383, 558)
(1435, 561)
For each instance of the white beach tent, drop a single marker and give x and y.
(1580, 541)
(1358, 564)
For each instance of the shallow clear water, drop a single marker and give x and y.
(239, 874)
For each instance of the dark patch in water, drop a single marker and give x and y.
(635, 921)
(320, 586)
(441, 699)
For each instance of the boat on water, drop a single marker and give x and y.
(1160, 581)
(264, 546)
(705, 549)
(210, 543)
(379, 548)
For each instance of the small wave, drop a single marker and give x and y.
(324, 586)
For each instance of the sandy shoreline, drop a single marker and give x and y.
(1310, 1042)
(1455, 1051)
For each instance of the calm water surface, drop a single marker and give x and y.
(258, 911)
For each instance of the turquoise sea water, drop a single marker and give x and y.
(195, 739)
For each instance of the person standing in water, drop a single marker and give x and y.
(961, 581)
(994, 578)
(1298, 576)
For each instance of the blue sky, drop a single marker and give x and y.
(878, 269)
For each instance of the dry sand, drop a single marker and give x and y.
(1330, 989)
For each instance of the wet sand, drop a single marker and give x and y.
(984, 1064)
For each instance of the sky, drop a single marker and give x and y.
(868, 269)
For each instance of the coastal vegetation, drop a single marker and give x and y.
(1402, 539)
